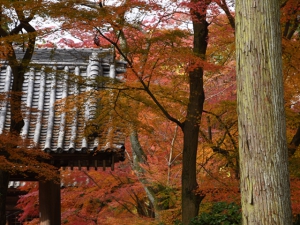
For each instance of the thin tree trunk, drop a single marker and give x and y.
(190, 199)
(170, 160)
(294, 143)
(17, 122)
(139, 157)
(265, 189)
(18, 70)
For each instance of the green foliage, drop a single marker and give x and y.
(294, 163)
(165, 196)
(296, 220)
(177, 222)
(221, 213)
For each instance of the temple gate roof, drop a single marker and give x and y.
(53, 77)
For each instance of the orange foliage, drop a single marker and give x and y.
(161, 57)
(295, 192)
(18, 159)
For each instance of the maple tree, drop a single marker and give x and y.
(290, 44)
(147, 44)
(120, 191)
(94, 197)
(16, 30)
(157, 86)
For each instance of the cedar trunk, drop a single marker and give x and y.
(265, 189)
(190, 199)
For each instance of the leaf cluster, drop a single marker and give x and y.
(18, 159)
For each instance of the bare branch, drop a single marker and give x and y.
(226, 128)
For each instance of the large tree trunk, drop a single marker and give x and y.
(190, 199)
(264, 172)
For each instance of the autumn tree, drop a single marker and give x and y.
(140, 42)
(151, 53)
(290, 45)
(147, 51)
(141, 52)
(17, 31)
(190, 126)
(265, 190)
(18, 70)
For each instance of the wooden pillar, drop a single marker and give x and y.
(49, 197)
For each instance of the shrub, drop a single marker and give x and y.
(221, 213)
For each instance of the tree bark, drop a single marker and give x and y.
(265, 189)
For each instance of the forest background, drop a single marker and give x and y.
(152, 102)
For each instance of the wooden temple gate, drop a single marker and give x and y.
(52, 77)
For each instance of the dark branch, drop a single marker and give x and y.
(226, 128)
(146, 88)
(293, 29)
(223, 5)
(294, 144)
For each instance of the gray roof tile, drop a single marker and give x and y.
(53, 76)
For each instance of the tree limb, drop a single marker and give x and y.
(223, 5)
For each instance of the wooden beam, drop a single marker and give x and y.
(49, 197)
(104, 165)
(96, 165)
(112, 162)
